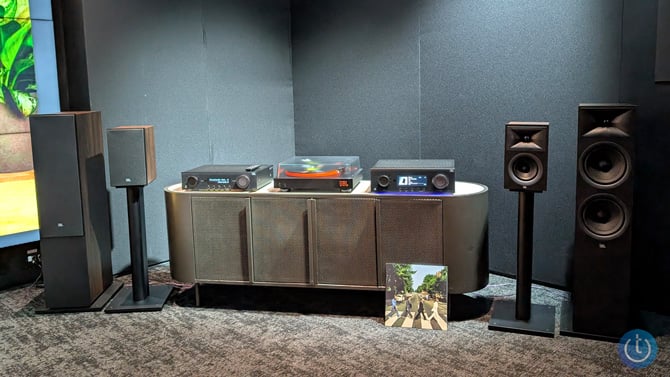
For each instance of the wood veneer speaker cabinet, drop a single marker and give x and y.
(73, 207)
(327, 240)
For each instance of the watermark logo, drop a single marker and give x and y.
(637, 349)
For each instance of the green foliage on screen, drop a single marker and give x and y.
(17, 63)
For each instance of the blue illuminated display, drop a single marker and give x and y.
(220, 181)
(412, 181)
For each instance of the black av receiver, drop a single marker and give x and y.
(413, 176)
(227, 177)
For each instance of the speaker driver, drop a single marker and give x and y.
(525, 169)
(604, 165)
(603, 217)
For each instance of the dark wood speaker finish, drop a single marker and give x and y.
(221, 243)
(73, 207)
(526, 156)
(132, 155)
(603, 218)
(281, 252)
(346, 236)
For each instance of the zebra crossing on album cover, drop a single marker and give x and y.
(416, 296)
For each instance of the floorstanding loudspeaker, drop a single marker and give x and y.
(603, 217)
(73, 210)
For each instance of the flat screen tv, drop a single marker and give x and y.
(19, 44)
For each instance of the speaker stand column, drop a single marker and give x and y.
(522, 316)
(140, 297)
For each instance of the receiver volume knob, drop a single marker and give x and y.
(383, 181)
(191, 182)
(440, 181)
(242, 181)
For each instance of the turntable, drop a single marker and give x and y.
(319, 173)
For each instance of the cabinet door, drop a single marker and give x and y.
(280, 240)
(220, 238)
(410, 232)
(346, 242)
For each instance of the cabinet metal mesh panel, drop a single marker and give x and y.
(280, 240)
(418, 240)
(220, 238)
(346, 242)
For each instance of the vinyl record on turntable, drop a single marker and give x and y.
(319, 173)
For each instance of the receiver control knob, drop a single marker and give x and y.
(440, 181)
(383, 181)
(191, 182)
(242, 181)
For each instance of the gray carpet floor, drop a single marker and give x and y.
(252, 331)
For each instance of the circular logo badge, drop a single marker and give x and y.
(637, 349)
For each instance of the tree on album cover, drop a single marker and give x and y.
(416, 296)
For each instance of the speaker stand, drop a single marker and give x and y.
(140, 297)
(96, 306)
(522, 317)
(568, 330)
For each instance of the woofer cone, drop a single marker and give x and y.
(525, 169)
(605, 165)
(603, 217)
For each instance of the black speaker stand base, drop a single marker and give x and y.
(125, 303)
(542, 320)
(96, 306)
(568, 330)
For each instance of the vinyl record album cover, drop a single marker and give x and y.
(416, 296)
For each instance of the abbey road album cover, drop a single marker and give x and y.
(416, 296)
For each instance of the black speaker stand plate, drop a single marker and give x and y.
(96, 306)
(542, 320)
(125, 303)
(568, 330)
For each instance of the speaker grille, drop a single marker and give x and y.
(132, 157)
(57, 174)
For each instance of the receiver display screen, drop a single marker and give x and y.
(221, 181)
(412, 181)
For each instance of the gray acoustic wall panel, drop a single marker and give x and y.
(162, 63)
(439, 79)
(487, 63)
(378, 79)
(356, 78)
(651, 254)
(249, 87)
